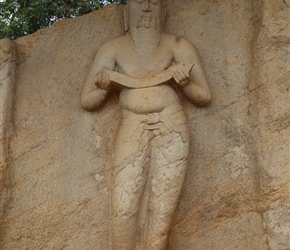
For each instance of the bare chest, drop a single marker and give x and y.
(131, 63)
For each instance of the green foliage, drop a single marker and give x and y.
(23, 17)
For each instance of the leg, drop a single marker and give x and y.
(128, 180)
(168, 167)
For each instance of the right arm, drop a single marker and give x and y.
(93, 95)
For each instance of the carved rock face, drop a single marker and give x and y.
(55, 177)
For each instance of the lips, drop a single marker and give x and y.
(147, 16)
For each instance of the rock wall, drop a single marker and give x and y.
(61, 153)
(7, 88)
(270, 112)
(236, 194)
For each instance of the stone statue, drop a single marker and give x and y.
(152, 145)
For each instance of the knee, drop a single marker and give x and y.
(126, 199)
(164, 204)
(124, 204)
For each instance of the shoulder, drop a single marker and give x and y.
(177, 41)
(179, 44)
(182, 49)
(112, 45)
(108, 50)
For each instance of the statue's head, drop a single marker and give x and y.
(148, 14)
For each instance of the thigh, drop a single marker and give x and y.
(129, 173)
(169, 162)
(168, 168)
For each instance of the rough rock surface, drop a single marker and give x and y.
(237, 189)
(7, 88)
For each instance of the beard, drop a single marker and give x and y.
(145, 31)
(147, 21)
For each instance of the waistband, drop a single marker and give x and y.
(171, 119)
(172, 110)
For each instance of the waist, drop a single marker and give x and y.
(170, 120)
(171, 113)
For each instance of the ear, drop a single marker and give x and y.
(126, 18)
(164, 12)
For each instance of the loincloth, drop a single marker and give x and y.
(168, 121)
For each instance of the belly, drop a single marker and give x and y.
(148, 100)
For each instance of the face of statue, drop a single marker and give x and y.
(146, 14)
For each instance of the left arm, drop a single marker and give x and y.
(194, 83)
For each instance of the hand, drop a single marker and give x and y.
(181, 76)
(102, 80)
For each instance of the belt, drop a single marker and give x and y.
(171, 119)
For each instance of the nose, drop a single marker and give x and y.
(146, 6)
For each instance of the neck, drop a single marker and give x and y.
(146, 40)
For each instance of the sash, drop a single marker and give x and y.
(151, 80)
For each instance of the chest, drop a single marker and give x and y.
(131, 63)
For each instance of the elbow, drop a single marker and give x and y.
(208, 99)
(88, 107)
(88, 104)
(203, 99)
(92, 100)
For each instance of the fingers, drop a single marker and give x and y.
(102, 80)
(102, 77)
(181, 77)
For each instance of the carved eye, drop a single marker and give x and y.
(154, 1)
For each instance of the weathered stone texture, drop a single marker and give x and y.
(60, 162)
(7, 87)
(271, 108)
(236, 193)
